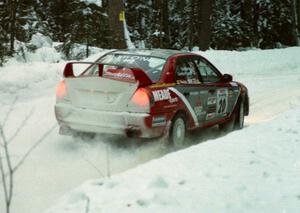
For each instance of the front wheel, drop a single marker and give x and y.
(236, 121)
(178, 132)
(239, 122)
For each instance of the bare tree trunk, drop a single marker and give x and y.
(295, 14)
(298, 12)
(165, 24)
(12, 20)
(248, 15)
(205, 31)
(115, 7)
(191, 24)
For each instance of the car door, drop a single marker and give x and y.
(222, 95)
(189, 84)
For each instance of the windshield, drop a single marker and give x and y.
(152, 66)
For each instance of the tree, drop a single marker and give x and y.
(295, 22)
(3, 36)
(205, 11)
(88, 24)
(115, 11)
(227, 31)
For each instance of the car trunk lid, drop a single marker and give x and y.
(109, 90)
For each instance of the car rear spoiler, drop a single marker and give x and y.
(141, 77)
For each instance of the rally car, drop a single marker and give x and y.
(147, 94)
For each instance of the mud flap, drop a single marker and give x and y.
(164, 140)
(66, 131)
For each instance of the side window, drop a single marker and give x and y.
(207, 73)
(186, 72)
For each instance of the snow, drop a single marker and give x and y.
(40, 40)
(129, 43)
(96, 2)
(255, 169)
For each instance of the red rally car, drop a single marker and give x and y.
(147, 94)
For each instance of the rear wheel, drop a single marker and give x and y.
(178, 131)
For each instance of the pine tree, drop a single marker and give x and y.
(88, 24)
(3, 35)
(274, 22)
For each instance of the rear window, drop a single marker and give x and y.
(152, 66)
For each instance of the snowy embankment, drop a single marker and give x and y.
(253, 159)
(253, 170)
(256, 169)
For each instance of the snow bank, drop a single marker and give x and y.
(254, 170)
(42, 71)
(249, 169)
(96, 2)
(271, 76)
(42, 49)
(256, 62)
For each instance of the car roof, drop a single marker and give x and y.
(159, 53)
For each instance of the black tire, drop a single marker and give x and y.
(236, 121)
(228, 126)
(178, 131)
(240, 117)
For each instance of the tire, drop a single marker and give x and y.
(228, 126)
(236, 121)
(178, 132)
(240, 117)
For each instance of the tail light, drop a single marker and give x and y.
(142, 98)
(61, 89)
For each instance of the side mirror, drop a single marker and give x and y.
(68, 71)
(227, 78)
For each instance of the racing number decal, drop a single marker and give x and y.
(222, 101)
(222, 106)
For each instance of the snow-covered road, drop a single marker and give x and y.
(60, 164)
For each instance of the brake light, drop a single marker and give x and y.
(142, 98)
(61, 89)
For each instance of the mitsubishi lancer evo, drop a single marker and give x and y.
(148, 94)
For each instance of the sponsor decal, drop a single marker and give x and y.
(198, 110)
(222, 101)
(159, 85)
(194, 93)
(211, 100)
(119, 75)
(210, 115)
(159, 121)
(193, 81)
(173, 100)
(181, 81)
(162, 95)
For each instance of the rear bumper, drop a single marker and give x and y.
(72, 118)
